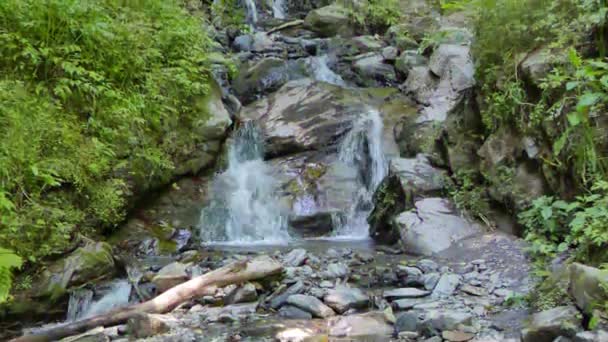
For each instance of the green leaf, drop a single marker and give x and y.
(587, 100)
(571, 85)
(559, 144)
(546, 213)
(574, 119)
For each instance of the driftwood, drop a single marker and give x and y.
(285, 26)
(235, 273)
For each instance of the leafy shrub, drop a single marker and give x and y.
(8, 261)
(90, 93)
(374, 15)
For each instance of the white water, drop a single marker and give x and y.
(321, 71)
(252, 12)
(245, 208)
(362, 149)
(278, 9)
(81, 304)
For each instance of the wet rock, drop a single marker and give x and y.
(408, 60)
(311, 304)
(420, 83)
(431, 280)
(295, 258)
(453, 62)
(447, 285)
(368, 43)
(409, 303)
(389, 200)
(330, 21)
(293, 312)
(257, 42)
(407, 322)
(147, 325)
(411, 276)
(169, 276)
(432, 227)
(445, 319)
(406, 292)
(586, 286)
(427, 265)
(397, 36)
(591, 336)
(373, 71)
(343, 298)
(313, 225)
(418, 176)
(474, 290)
(457, 336)
(547, 325)
(92, 261)
(362, 325)
(336, 270)
(261, 77)
(94, 335)
(242, 294)
(390, 53)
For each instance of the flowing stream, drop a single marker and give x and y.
(252, 12)
(82, 304)
(321, 72)
(246, 208)
(278, 9)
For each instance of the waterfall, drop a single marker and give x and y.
(362, 149)
(245, 208)
(252, 12)
(278, 9)
(321, 72)
(81, 304)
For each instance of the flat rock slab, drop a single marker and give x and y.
(343, 298)
(406, 292)
(372, 324)
(311, 304)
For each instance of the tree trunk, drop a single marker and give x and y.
(235, 273)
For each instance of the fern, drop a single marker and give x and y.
(8, 261)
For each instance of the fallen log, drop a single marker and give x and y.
(235, 273)
(285, 26)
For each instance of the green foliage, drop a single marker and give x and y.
(375, 15)
(468, 195)
(92, 94)
(8, 261)
(228, 13)
(554, 226)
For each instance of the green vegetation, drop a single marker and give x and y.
(97, 96)
(374, 15)
(228, 13)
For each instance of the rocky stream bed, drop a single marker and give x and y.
(342, 177)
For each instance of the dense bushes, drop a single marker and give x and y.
(92, 95)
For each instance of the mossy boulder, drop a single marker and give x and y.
(88, 263)
(586, 286)
(259, 78)
(330, 21)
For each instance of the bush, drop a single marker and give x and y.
(89, 94)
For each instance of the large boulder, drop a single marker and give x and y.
(389, 200)
(302, 116)
(373, 71)
(408, 60)
(332, 20)
(343, 298)
(548, 325)
(94, 261)
(418, 176)
(537, 64)
(311, 304)
(264, 76)
(586, 286)
(432, 226)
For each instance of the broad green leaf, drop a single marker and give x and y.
(574, 119)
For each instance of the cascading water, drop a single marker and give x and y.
(362, 149)
(321, 72)
(278, 9)
(252, 12)
(245, 208)
(81, 304)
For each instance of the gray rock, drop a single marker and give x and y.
(537, 65)
(390, 53)
(440, 320)
(420, 83)
(432, 227)
(261, 77)
(406, 292)
(474, 290)
(409, 59)
(373, 70)
(411, 276)
(454, 62)
(295, 258)
(336, 270)
(292, 312)
(147, 325)
(586, 286)
(547, 325)
(169, 276)
(242, 294)
(427, 265)
(447, 285)
(281, 299)
(431, 280)
(407, 322)
(368, 43)
(591, 336)
(457, 336)
(343, 298)
(311, 304)
(363, 325)
(417, 176)
(330, 21)
(313, 225)
(409, 303)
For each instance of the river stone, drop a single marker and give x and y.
(93, 261)
(279, 300)
(169, 276)
(330, 21)
(411, 276)
(144, 325)
(447, 285)
(418, 176)
(302, 116)
(390, 53)
(292, 312)
(586, 286)
(547, 325)
(260, 78)
(431, 280)
(445, 319)
(406, 292)
(474, 290)
(343, 298)
(313, 225)
(433, 226)
(368, 43)
(454, 62)
(373, 71)
(389, 200)
(457, 336)
(407, 322)
(295, 258)
(242, 294)
(368, 325)
(408, 60)
(336, 270)
(311, 304)
(409, 303)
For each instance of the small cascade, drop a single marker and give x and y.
(252, 12)
(321, 72)
(81, 304)
(362, 149)
(278, 9)
(245, 208)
